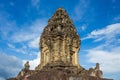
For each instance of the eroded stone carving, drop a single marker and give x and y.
(27, 66)
(59, 41)
(96, 71)
(25, 72)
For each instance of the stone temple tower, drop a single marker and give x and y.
(59, 46)
(59, 42)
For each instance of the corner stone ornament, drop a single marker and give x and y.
(59, 46)
(27, 66)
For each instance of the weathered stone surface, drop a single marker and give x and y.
(59, 41)
(59, 75)
(49, 75)
(59, 46)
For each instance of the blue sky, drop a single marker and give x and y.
(97, 23)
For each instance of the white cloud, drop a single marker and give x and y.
(34, 43)
(109, 60)
(23, 36)
(1, 78)
(28, 37)
(9, 66)
(33, 63)
(22, 49)
(108, 33)
(81, 9)
(106, 53)
(11, 46)
(29, 33)
(83, 28)
(6, 26)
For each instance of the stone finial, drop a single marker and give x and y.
(95, 71)
(99, 73)
(97, 66)
(27, 66)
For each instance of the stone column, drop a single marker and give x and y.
(76, 58)
(59, 48)
(50, 49)
(44, 59)
(56, 49)
(73, 59)
(63, 51)
(68, 50)
(41, 59)
(68, 53)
